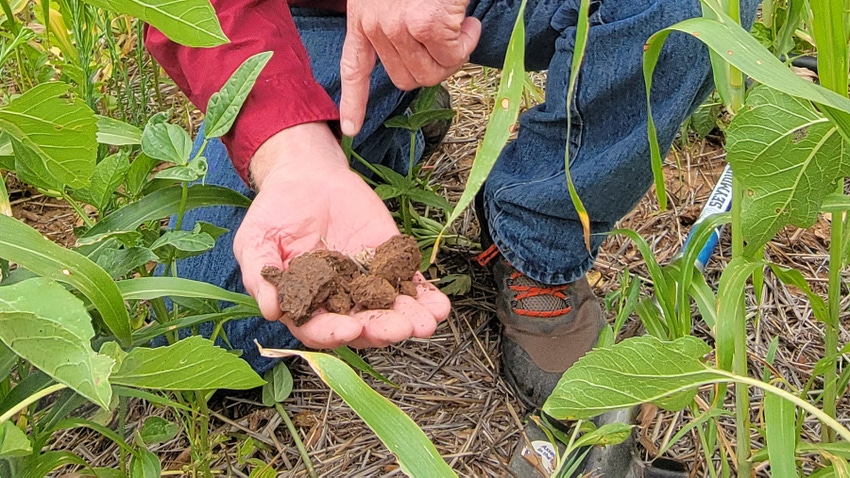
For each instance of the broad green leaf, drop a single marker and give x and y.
(58, 129)
(186, 243)
(385, 191)
(194, 363)
(8, 359)
(193, 171)
(416, 455)
(504, 116)
(225, 104)
(45, 324)
(635, 371)
(278, 385)
(24, 246)
(787, 157)
(13, 442)
(108, 175)
(781, 434)
(188, 22)
(158, 430)
(31, 170)
(120, 262)
(144, 464)
(167, 142)
(117, 133)
(736, 46)
(208, 228)
(163, 203)
(127, 238)
(137, 176)
(455, 284)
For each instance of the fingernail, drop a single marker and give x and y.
(348, 127)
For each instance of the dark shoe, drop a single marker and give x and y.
(435, 132)
(545, 330)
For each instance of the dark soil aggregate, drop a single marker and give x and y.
(337, 283)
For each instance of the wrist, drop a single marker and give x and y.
(307, 146)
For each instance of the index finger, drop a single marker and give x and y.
(355, 68)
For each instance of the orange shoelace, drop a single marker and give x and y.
(528, 291)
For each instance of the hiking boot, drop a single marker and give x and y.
(545, 330)
(435, 132)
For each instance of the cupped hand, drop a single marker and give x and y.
(309, 200)
(420, 43)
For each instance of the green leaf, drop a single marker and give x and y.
(167, 142)
(781, 434)
(194, 363)
(787, 157)
(608, 434)
(356, 361)
(13, 442)
(146, 288)
(421, 118)
(163, 203)
(41, 464)
(503, 117)
(117, 133)
(108, 175)
(795, 278)
(144, 464)
(120, 262)
(635, 371)
(8, 359)
(158, 430)
(733, 281)
(59, 130)
(455, 284)
(225, 104)
(187, 242)
(385, 191)
(32, 170)
(188, 22)
(278, 385)
(416, 454)
(193, 171)
(45, 324)
(24, 246)
(400, 121)
(137, 176)
(429, 198)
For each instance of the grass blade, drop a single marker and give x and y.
(24, 246)
(416, 455)
(779, 421)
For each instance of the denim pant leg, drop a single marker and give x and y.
(322, 34)
(528, 207)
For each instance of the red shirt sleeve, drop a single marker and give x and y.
(285, 94)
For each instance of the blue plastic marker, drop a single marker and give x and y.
(719, 201)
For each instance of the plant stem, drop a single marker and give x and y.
(298, 443)
(734, 75)
(830, 376)
(79, 210)
(30, 400)
(739, 362)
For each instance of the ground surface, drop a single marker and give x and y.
(450, 385)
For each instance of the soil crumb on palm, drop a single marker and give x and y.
(335, 282)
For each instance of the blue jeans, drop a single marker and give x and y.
(527, 206)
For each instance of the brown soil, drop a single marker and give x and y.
(335, 282)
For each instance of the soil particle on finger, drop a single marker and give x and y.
(335, 282)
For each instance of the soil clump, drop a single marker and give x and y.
(340, 284)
